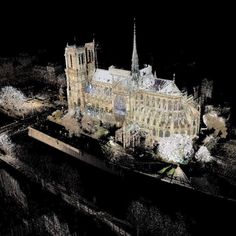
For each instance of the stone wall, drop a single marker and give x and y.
(72, 151)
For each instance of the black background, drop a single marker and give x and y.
(192, 40)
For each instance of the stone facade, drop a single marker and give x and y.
(143, 106)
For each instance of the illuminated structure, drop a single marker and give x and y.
(143, 106)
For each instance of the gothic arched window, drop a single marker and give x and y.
(161, 133)
(167, 134)
(71, 62)
(154, 132)
(154, 122)
(120, 105)
(82, 58)
(169, 106)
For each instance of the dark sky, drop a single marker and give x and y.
(36, 24)
(168, 35)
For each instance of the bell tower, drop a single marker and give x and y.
(80, 68)
(91, 55)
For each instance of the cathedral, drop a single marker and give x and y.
(143, 107)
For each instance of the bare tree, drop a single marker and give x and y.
(213, 121)
(137, 215)
(13, 101)
(150, 220)
(203, 155)
(177, 148)
(6, 145)
(90, 124)
(10, 187)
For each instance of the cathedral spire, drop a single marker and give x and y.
(135, 65)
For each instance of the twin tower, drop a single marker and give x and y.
(80, 68)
